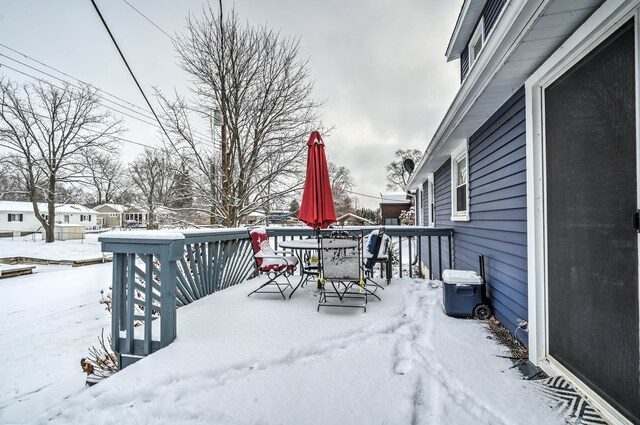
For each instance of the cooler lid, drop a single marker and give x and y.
(461, 276)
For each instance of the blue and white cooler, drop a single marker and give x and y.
(463, 294)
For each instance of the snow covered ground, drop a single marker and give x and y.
(259, 360)
(48, 320)
(32, 246)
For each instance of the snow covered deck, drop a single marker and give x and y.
(242, 360)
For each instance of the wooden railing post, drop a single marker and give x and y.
(143, 282)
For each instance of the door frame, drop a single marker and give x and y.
(600, 25)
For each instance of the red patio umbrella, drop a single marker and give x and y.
(316, 209)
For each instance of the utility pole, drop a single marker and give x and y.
(223, 132)
(216, 120)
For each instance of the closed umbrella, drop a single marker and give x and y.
(316, 209)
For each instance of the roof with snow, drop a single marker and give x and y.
(394, 198)
(352, 216)
(17, 206)
(113, 207)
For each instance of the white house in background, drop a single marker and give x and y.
(255, 217)
(110, 215)
(75, 214)
(19, 216)
(136, 217)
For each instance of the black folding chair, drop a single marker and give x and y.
(340, 273)
(377, 251)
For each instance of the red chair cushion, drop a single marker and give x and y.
(266, 258)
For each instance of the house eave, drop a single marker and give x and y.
(519, 44)
(467, 19)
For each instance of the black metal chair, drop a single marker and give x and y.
(340, 273)
(377, 250)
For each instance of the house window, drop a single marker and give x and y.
(391, 221)
(85, 217)
(15, 217)
(460, 185)
(477, 43)
(66, 218)
(431, 202)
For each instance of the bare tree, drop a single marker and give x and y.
(397, 176)
(104, 173)
(153, 174)
(11, 187)
(254, 80)
(341, 185)
(46, 129)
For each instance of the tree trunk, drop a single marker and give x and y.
(51, 210)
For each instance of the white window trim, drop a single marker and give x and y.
(602, 23)
(431, 200)
(477, 34)
(418, 216)
(458, 154)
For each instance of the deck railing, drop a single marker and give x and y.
(154, 273)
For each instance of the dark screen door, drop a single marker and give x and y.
(592, 246)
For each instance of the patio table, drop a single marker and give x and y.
(301, 245)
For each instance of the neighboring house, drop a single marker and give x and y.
(255, 217)
(535, 166)
(110, 215)
(135, 217)
(75, 214)
(391, 206)
(19, 216)
(349, 219)
(281, 217)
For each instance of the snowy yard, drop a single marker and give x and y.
(32, 246)
(240, 360)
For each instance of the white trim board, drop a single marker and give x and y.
(604, 21)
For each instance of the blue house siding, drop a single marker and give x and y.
(490, 13)
(464, 64)
(497, 209)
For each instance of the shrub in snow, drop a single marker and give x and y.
(101, 362)
(106, 298)
(408, 217)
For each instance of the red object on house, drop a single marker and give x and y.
(316, 209)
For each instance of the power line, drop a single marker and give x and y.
(149, 20)
(58, 87)
(95, 6)
(66, 75)
(68, 82)
(143, 113)
(91, 131)
(106, 106)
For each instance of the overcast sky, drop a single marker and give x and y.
(378, 64)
